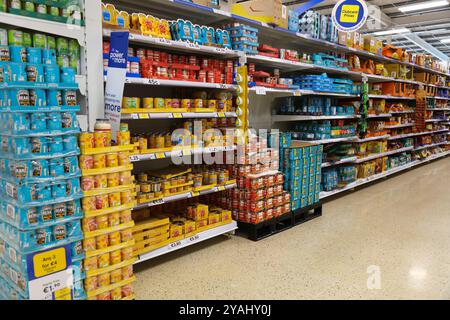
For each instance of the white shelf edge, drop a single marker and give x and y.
(326, 141)
(383, 154)
(387, 136)
(289, 118)
(335, 163)
(178, 83)
(197, 238)
(176, 153)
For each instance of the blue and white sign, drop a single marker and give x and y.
(349, 15)
(115, 79)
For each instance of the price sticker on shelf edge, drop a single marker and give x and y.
(50, 274)
(349, 15)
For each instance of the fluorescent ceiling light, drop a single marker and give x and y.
(392, 31)
(447, 40)
(423, 5)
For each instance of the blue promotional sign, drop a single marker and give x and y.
(349, 15)
(307, 5)
(115, 79)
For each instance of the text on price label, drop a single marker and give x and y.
(49, 262)
(153, 82)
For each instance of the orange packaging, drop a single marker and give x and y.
(90, 244)
(126, 196)
(87, 140)
(116, 257)
(112, 160)
(123, 138)
(103, 260)
(90, 224)
(90, 263)
(100, 181)
(104, 296)
(99, 161)
(127, 253)
(127, 235)
(87, 183)
(127, 272)
(125, 178)
(114, 219)
(116, 276)
(104, 279)
(102, 201)
(127, 291)
(123, 158)
(102, 222)
(125, 216)
(102, 241)
(114, 199)
(100, 139)
(89, 204)
(86, 162)
(114, 238)
(116, 294)
(91, 284)
(113, 180)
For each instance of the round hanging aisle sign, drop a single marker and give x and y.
(349, 15)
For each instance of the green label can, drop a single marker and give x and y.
(62, 61)
(62, 46)
(3, 5)
(3, 37)
(27, 41)
(16, 4)
(51, 43)
(39, 40)
(54, 11)
(29, 6)
(15, 37)
(74, 62)
(74, 48)
(42, 8)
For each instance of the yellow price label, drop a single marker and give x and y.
(195, 194)
(221, 114)
(221, 188)
(49, 262)
(160, 155)
(63, 294)
(144, 116)
(349, 13)
(177, 115)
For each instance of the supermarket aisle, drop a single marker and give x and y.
(399, 227)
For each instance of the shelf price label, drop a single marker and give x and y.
(134, 158)
(164, 41)
(175, 245)
(153, 82)
(156, 202)
(191, 45)
(144, 116)
(297, 93)
(261, 91)
(194, 238)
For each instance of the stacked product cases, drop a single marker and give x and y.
(259, 195)
(301, 164)
(39, 180)
(108, 187)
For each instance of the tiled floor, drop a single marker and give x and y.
(388, 241)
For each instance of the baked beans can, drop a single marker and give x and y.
(90, 224)
(116, 276)
(115, 238)
(105, 296)
(100, 181)
(112, 160)
(114, 199)
(87, 183)
(60, 210)
(91, 283)
(103, 260)
(102, 202)
(102, 241)
(104, 280)
(90, 244)
(113, 180)
(99, 161)
(123, 138)
(127, 235)
(86, 162)
(114, 219)
(87, 140)
(125, 216)
(102, 222)
(127, 253)
(116, 294)
(127, 272)
(90, 263)
(126, 196)
(100, 139)
(116, 257)
(59, 232)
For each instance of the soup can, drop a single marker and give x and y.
(89, 203)
(86, 162)
(102, 241)
(99, 161)
(104, 260)
(114, 199)
(115, 238)
(114, 219)
(100, 181)
(112, 160)
(90, 263)
(86, 140)
(116, 257)
(91, 283)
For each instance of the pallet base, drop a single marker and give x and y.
(256, 232)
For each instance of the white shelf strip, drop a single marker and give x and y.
(408, 135)
(178, 83)
(326, 141)
(288, 118)
(199, 237)
(179, 153)
(335, 163)
(386, 136)
(383, 154)
(430, 146)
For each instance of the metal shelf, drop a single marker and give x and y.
(386, 136)
(342, 161)
(197, 238)
(175, 115)
(288, 118)
(408, 135)
(430, 145)
(383, 154)
(299, 92)
(381, 96)
(327, 141)
(179, 153)
(381, 115)
(178, 83)
(399, 126)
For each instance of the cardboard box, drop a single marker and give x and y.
(284, 19)
(267, 11)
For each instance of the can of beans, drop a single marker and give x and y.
(114, 219)
(111, 160)
(99, 161)
(100, 139)
(101, 202)
(90, 224)
(123, 158)
(126, 196)
(102, 222)
(102, 241)
(87, 140)
(91, 283)
(89, 204)
(59, 232)
(87, 183)
(90, 263)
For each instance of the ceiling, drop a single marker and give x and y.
(427, 26)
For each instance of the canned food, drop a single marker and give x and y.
(90, 263)
(125, 216)
(123, 138)
(123, 158)
(198, 103)
(186, 103)
(86, 162)
(113, 180)
(116, 257)
(125, 178)
(90, 224)
(131, 103)
(126, 235)
(104, 279)
(60, 210)
(103, 260)
(102, 202)
(105, 296)
(102, 222)
(116, 276)
(114, 199)
(158, 103)
(102, 241)
(100, 139)
(127, 272)
(116, 294)
(112, 160)
(90, 244)
(91, 283)
(114, 219)
(148, 103)
(100, 181)
(115, 238)
(127, 253)
(89, 203)
(99, 161)
(59, 232)
(126, 196)
(87, 183)
(87, 140)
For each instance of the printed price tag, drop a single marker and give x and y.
(144, 116)
(156, 202)
(164, 41)
(221, 188)
(223, 86)
(153, 82)
(134, 158)
(194, 238)
(160, 155)
(261, 91)
(191, 45)
(134, 116)
(297, 93)
(175, 245)
(221, 114)
(177, 115)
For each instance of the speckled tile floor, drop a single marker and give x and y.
(388, 241)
